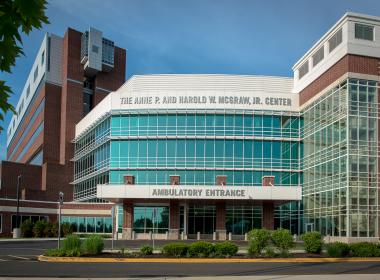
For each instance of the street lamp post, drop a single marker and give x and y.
(154, 218)
(59, 218)
(113, 227)
(18, 201)
(16, 229)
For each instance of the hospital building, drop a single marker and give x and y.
(210, 156)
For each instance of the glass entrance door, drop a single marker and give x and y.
(309, 227)
(201, 218)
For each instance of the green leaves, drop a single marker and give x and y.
(16, 15)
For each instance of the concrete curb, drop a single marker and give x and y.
(200, 260)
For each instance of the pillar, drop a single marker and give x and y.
(268, 206)
(268, 215)
(128, 220)
(221, 233)
(128, 211)
(174, 219)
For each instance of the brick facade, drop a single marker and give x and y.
(349, 63)
(21, 129)
(62, 110)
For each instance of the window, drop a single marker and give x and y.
(48, 52)
(21, 107)
(28, 91)
(335, 40)
(363, 31)
(95, 49)
(23, 218)
(37, 159)
(35, 74)
(1, 223)
(87, 103)
(318, 56)
(303, 70)
(42, 58)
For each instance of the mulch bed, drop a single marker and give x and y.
(160, 256)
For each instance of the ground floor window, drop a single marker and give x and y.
(89, 224)
(201, 218)
(289, 216)
(151, 219)
(240, 219)
(33, 218)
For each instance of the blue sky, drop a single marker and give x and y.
(197, 36)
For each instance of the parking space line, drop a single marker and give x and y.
(18, 257)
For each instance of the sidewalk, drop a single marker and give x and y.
(269, 277)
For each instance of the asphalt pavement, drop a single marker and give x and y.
(19, 259)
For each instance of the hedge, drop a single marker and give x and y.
(312, 242)
(338, 249)
(283, 240)
(365, 250)
(175, 249)
(259, 239)
(225, 249)
(146, 250)
(201, 249)
(93, 245)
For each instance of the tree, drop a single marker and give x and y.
(16, 16)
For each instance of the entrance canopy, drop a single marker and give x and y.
(283, 193)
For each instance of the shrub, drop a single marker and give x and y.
(71, 243)
(66, 229)
(201, 249)
(312, 242)
(27, 228)
(175, 250)
(364, 250)
(93, 245)
(146, 250)
(225, 249)
(76, 252)
(55, 253)
(51, 230)
(39, 228)
(283, 240)
(259, 239)
(123, 251)
(269, 252)
(338, 249)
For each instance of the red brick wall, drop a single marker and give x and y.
(31, 178)
(63, 110)
(174, 215)
(268, 215)
(71, 96)
(116, 77)
(94, 206)
(52, 125)
(128, 214)
(110, 80)
(220, 215)
(56, 178)
(349, 63)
